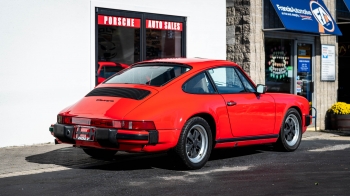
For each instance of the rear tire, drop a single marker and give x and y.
(195, 143)
(291, 131)
(100, 153)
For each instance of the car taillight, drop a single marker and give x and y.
(135, 125)
(118, 124)
(64, 119)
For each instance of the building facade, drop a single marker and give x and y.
(51, 50)
(269, 39)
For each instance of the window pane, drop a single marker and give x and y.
(248, 86)
(118, 44)
(199, 84)
(226, 80)
(278, 66)
(153, 75)
(108, 71)
(163, 44)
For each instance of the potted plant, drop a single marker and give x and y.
(340, 116)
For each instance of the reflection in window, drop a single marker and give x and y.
(226, 80)
(278, 66)
(118, 44)
(108, 71)
(153, 75)
(163, 44)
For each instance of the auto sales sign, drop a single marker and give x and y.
(310, 16)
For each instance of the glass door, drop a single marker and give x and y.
(304, 80)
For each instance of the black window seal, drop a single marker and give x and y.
(246, 90)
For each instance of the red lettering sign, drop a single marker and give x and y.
(118, 21)
(163, 25)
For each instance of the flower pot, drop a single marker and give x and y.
(340, 122)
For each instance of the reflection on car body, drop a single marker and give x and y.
(184, 106)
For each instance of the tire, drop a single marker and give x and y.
(195, 143)
(291, 131)
(100, 153)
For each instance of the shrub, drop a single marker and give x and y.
(340, 108)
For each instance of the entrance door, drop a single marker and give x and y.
(304, 83)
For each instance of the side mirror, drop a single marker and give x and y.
(261, 89)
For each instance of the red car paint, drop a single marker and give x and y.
(111, 67)
(253, 118)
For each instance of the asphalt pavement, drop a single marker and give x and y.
(318, 167)
(19, 160)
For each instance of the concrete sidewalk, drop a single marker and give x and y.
(25, 160)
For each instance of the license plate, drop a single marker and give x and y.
(84, 133)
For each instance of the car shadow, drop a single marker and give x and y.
(227, 153)
(75, 158)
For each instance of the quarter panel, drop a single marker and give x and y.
(171, 108)
(286, 101)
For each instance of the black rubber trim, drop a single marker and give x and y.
(153, 137)
(307, 120)
(131, 93)
(132, 137)
(64, 133)
(238, 139)
(106, 137)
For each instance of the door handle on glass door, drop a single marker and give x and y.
(231, 103)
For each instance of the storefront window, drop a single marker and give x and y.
(118, 39)
(278, 65)
(163, 39)
(125, 37)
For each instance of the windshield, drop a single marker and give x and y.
(153, 75)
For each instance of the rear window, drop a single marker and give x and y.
(153, 75)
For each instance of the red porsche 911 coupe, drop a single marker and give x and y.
(184, 106)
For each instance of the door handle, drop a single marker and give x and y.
(231, 103)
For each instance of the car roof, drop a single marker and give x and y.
(194, 62)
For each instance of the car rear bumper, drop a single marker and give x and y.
(308, 120)
(122, 140)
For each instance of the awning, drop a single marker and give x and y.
(347, 3)
(306, 16)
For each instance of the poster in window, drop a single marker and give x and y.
(328, 63)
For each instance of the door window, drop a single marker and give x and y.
(226, 80)
(248, 86)
(304, 74)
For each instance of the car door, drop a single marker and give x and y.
(249, 113)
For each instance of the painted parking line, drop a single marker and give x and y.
(327, 137)
(331, 148)
(194, 175)
(36, 171)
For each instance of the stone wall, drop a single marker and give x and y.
(244, 34)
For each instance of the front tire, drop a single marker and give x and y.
(100, 153)
(291, 131)
(195, 143)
